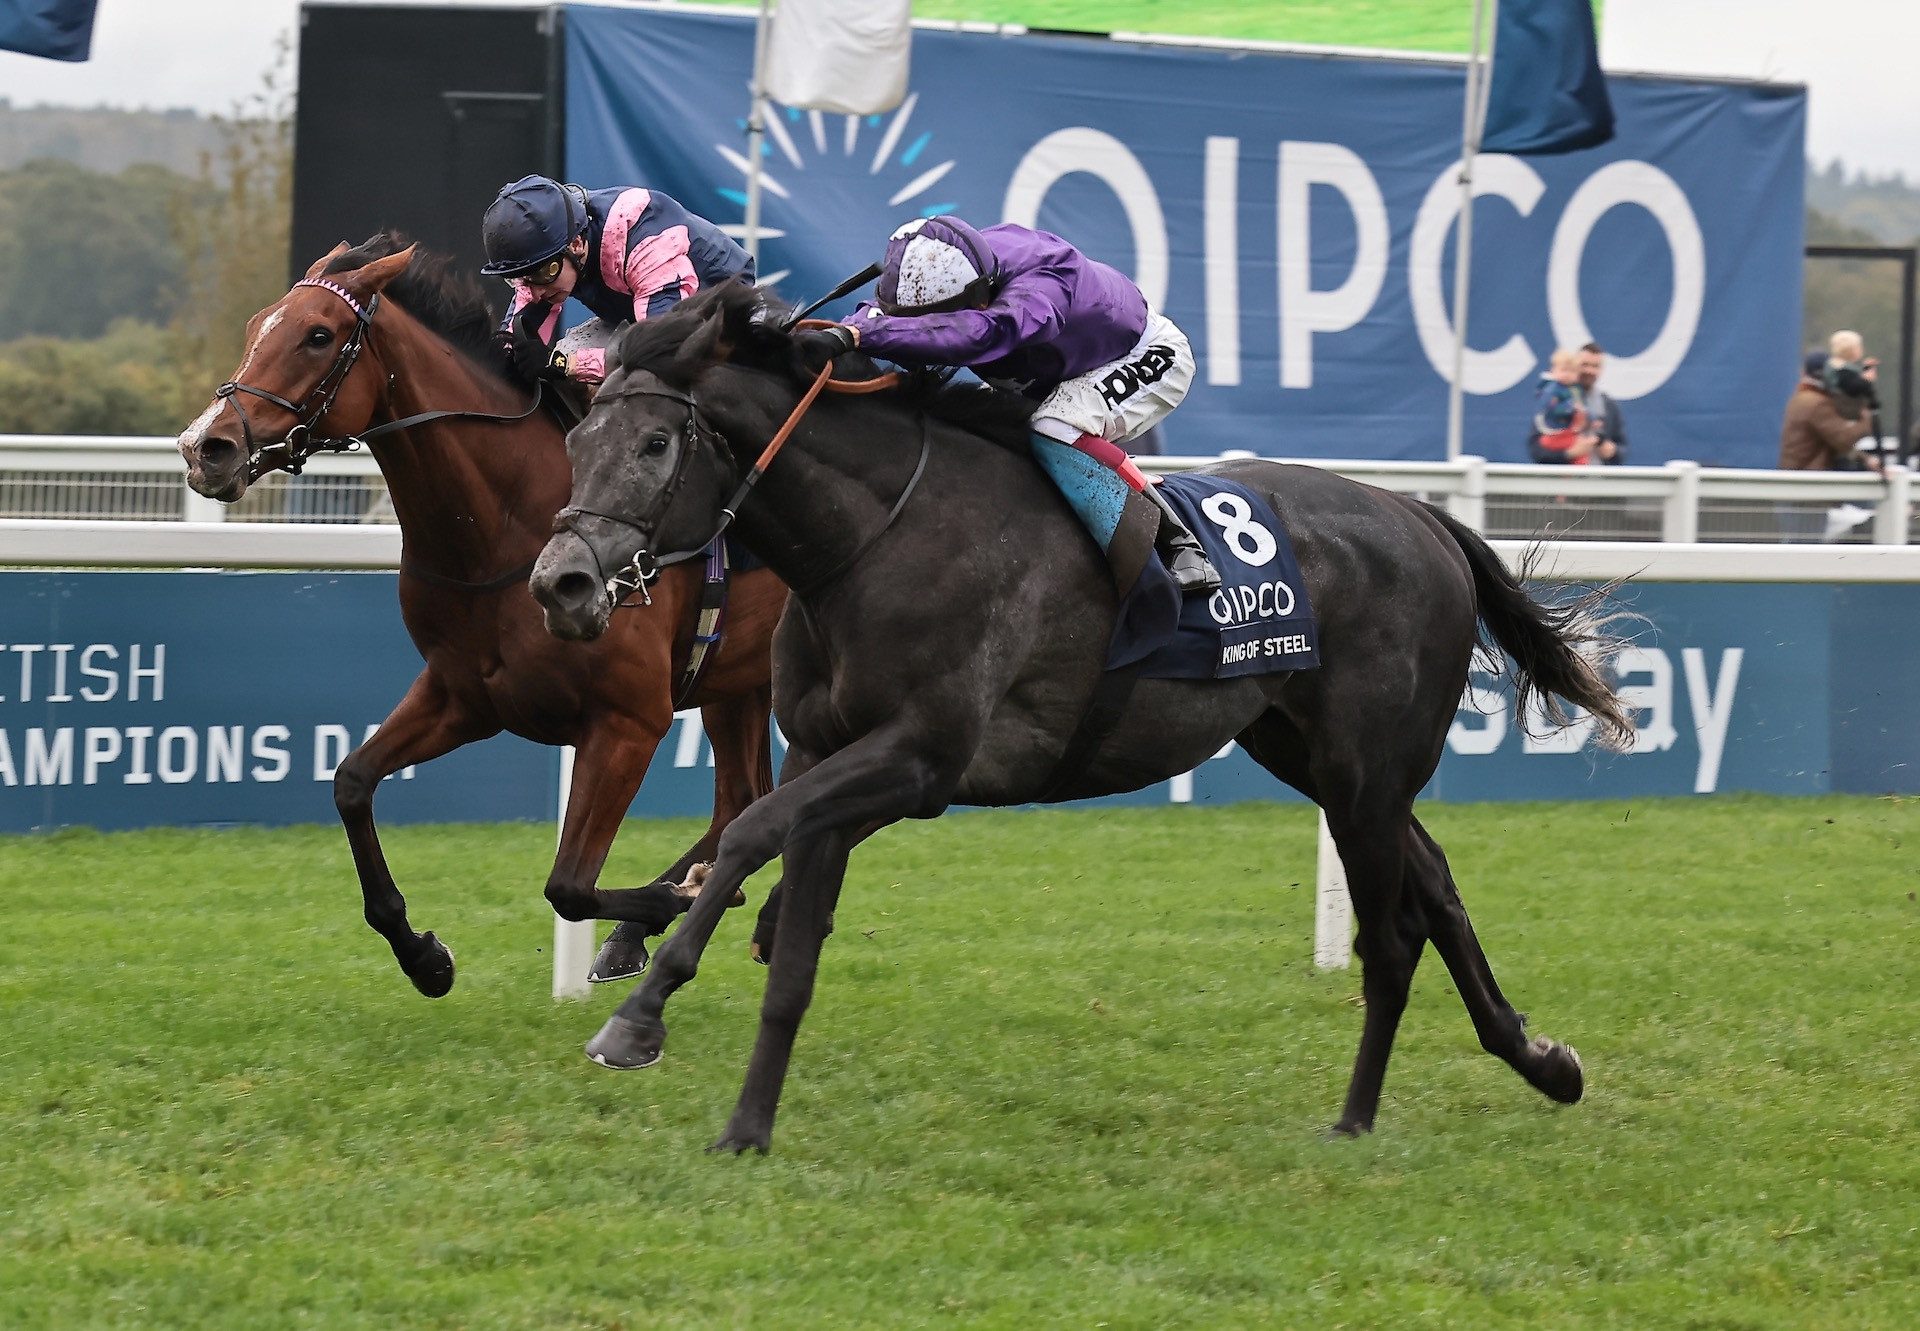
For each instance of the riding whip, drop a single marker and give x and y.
(852, 284)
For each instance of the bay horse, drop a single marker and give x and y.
(943, 644)
(382, 336)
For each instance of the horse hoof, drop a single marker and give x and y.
(1559, 1075)
(1346, 1132)
(432, 969)
(739, 1143)
(618, 959)
(760, 953)
(627, 1044)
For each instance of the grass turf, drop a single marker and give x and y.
(1064, 1068)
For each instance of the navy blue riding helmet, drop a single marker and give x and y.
(529, 222)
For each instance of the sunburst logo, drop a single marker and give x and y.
(833, 187)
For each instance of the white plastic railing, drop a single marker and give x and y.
(1680, 502)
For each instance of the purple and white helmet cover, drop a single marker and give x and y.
(932, 260)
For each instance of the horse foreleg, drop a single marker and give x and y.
(737, 727)
(1550, 1067)
(426, 723)
(608, 765)
(815, 870)
(877, 780)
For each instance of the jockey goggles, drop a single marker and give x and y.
(541, 274)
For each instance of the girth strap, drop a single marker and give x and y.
(1102, 714)
(708, 626)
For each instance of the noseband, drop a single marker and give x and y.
(645, 567)
(300, 443)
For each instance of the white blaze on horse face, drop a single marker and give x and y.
(272, 321)
(197, 430)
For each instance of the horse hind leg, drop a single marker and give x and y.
(1550, 1067)
(1369, 828)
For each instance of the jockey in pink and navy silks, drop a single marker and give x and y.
(1026, 310)
(625, 254)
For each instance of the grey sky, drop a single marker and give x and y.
(1856, 59)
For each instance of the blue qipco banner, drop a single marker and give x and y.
(1294, 214)
(155, 699)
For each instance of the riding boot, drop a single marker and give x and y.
(1181, 549)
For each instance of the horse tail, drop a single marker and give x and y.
(1558, 651)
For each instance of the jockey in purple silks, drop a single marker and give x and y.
(625, 254)
(1027, 311)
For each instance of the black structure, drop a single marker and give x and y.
(413, 116)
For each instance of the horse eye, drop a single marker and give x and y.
(319, 337)
(657, 445)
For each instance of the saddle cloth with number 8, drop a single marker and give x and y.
(1258, 623)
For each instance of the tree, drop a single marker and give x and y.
(83, 249)
(121, 383)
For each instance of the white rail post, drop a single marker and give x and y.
(1890, 521)
(199, 508)
(1680, 511)
(1332, 907)
(572, 939)
(1469, 504)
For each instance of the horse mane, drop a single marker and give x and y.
(441, 296)
(754, 335)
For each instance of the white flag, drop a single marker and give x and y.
(848, 56)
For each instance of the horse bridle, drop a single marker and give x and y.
(645, 567)
(300, 443)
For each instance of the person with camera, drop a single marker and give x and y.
(1832, 409)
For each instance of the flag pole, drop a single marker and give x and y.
(756, 131)
(1473, 124)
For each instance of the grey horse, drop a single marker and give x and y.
(943, 644)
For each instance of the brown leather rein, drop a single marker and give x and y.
(645, 567)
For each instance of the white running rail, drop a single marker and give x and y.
(58, 476)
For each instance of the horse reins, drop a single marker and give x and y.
(645, 567)
(300, 443)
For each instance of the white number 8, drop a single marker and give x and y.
(1253, 543)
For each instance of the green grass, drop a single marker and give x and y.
(1064, 1069)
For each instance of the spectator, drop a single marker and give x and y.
(1608, 433)
(1824, 424)
(1603, 412)
(1853, 373)
(1559, 432)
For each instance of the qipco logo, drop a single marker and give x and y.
(1306, 311)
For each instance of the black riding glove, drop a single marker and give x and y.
(816, 347)
(532, 359)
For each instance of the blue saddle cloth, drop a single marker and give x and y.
(1258, 623)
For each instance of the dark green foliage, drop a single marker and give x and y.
(121, 383)
(81, 249)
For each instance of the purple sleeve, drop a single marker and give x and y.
(1030, 308)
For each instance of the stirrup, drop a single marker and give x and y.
(1191, 570)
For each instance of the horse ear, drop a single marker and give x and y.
(370, 278)
(704, 345)
(320, 264)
